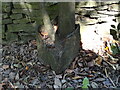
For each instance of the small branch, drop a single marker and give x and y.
(12, 86)
(117, 79)
(109, 78)
(109, 63)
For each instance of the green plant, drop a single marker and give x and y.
(85, 83)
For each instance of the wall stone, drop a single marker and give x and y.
(21, 27)
(16, 16)
(6, 21)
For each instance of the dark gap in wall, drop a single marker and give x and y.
(11, 7)
(30, 22)
(24, 16)
(6, 28)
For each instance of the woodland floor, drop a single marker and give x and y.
(22, 69)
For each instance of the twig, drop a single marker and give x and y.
(117, 79)
(12, 86)
(109, 63)
(111, 81)
(115, 59)
(106, 72)
(109, 77)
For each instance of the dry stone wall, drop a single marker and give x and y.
(96, 21)
(19, 20)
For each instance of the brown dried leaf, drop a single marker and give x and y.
(74, 63)
(90, 64)
(69, 71)
(5, 66)
(76, 77)
(98, 60)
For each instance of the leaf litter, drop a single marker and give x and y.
(22, 69)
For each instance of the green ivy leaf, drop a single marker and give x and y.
(114, 49)
(85, 83)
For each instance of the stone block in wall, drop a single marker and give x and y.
(11, 36)
(7, 9)
(4, 15)
(0, 21)
(19, 5)
(16, 16)
(21, 27)
(23, 20)
(38, 20)
(86, 4)
(3, 28)
(114, 7)
(6, 6)
(118, 19)
(26, 5)
(26, 38)
(35, 5)
(35, 13)
(109, 2)
(24, 11)
(6, 21)
(1, 36)
(3, 31)
(30, 12)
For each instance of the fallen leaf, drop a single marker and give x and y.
(63, 81)
(91, 63)
(5, 66)
(99, 79)
(16, 65)
(59, 76)
(57, 82)
(76, 77)
(80, 64)
(69, 71)
(12, 75)
(94, 85)
(98, 60)
(26, 68)
(74, 63)
(17, 76)
(107, 83)
(56, 87)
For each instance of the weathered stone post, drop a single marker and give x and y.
(66, 45)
